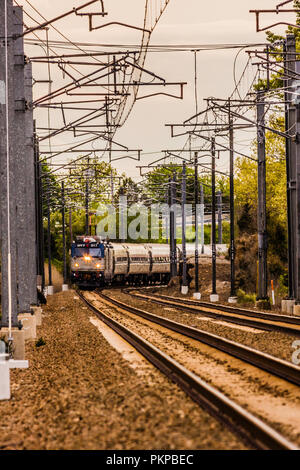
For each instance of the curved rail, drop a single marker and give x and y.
(251, 319)
(245, 424)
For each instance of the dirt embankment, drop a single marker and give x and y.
(205, 278)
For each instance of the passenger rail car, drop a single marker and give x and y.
(95, 263)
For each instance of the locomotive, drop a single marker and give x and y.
(98, 263)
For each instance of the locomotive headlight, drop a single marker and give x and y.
(76, 265)
(87, 258)
(98, 265)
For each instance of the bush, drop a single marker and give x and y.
(244, 298)
(246, 262)
(283, 288)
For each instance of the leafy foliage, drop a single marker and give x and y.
(246, 203)
(276, 48)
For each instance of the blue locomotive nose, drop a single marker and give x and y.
(87, 250)
(87, 263)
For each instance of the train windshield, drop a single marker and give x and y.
(93, 252)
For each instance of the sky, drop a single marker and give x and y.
(189, 22)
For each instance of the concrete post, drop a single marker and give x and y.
(7, 167)
(31, 205)
(4, 377)
(28, 321)
(18, 342)
(38, 315)
(21, 168)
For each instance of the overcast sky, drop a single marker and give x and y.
(194, 22)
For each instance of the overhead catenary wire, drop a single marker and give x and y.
(69, 45)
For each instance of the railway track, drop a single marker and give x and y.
(275, 366)
(250, 318)
(252, 429)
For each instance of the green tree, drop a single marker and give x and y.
(157, 184)
(246, 198)
(275, 51)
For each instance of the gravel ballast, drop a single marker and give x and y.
(80, 393)
(272, 399)
(272, 342)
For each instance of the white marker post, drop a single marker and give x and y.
(4, 373)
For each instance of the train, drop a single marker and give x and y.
(99, 263)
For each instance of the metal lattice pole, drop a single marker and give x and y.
(49, 234)
(231, 183)
(183, 203)
(173, 248)
(220, 219)
(32, 253)
(262, 211)
(64, 231)
(196, 226)
(213, 218)
(202, 217)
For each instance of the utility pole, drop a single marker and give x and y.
(70, 225)
(202, 217)
(32, 220)
(262, 210)
(87, 224)
(232, 298)
(70, 221)
(42, 241)
(220, 221)
(196, 293)
(64, 234)
(7, 174)
(184, 288)
(37, 180)
(173, 248)
(123, 219)
(50, 287)
(112, 187)
(167, 218)
(292, 67)
(39, 225)
(40, 209)
(289, 50)
(24, 168)
(214, 296)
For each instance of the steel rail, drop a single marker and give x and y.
(264, 361)
(240, 311)
(239, 420)
(232, 317)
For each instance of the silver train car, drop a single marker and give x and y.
(97, 263)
